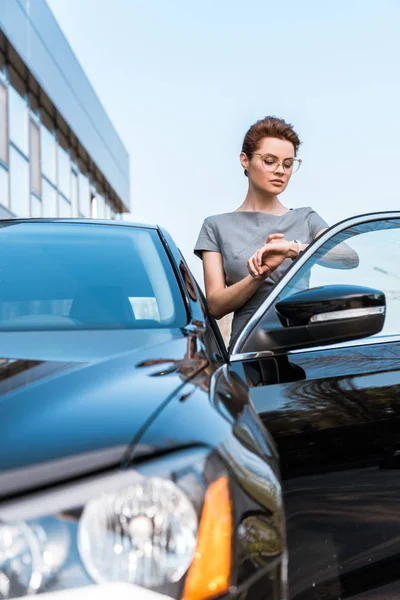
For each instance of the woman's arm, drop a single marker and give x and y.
(339, 257)
(223, 300)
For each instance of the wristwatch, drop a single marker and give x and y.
(299, 250)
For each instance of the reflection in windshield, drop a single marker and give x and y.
(85, 276)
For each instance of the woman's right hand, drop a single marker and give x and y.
(268, 258)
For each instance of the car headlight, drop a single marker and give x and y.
(144, 534)
(30, 554)
(153, 527)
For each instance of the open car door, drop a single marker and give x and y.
(321, 358)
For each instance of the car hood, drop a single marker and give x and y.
(73, 404)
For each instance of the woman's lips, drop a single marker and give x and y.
(276, 181)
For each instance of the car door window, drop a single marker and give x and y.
(365, 255)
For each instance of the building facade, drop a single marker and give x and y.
(60, 155)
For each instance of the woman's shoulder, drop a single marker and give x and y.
(220, 216)
(315, 223)
(309, 214)
(303, 210)
(220, 219)
(214, 230)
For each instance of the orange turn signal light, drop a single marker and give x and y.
(209, 572)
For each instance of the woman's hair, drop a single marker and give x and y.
(269, 127)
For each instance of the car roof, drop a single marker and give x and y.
(80, 221)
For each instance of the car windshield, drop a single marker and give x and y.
(85, 276)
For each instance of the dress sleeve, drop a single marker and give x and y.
(207, 240)
(316, 223)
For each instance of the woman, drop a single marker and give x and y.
(246, 251)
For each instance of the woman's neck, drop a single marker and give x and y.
(258, 201)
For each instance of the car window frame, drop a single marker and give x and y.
(199, 317)
(237, 353)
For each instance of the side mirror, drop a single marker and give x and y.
(330, 303)
(327, 315)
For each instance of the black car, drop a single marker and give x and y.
(133, 462)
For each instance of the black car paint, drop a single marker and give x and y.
(55, 411)
(302, 306)
(75, 405)
(229, 424)
(330, 415)
(335, 416)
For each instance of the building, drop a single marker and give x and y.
(60, 155)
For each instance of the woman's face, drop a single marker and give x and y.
(267, 172)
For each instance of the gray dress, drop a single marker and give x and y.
(237, 235)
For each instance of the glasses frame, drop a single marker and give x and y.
(298, 161)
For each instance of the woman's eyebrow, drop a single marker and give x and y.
(277, 157)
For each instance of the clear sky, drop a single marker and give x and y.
(182, 81)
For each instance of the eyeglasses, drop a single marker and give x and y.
(272, 162)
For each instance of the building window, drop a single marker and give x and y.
(48, 153)
(3, 125)
(64, 172)
(100, 206)
(36, 207)
(84, 196)
(74, 194)
(64, 207)
(18, 119)
(49, 199)
(34, 105)
(93, 207)
(19, 184)
(2, 65)
(36, 177)
(4, 193)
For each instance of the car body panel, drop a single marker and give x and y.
(54, 411)
(81, 405)
(77, 405)
(105, 591)
(334, 413)
(337, 428)
(237, 437)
